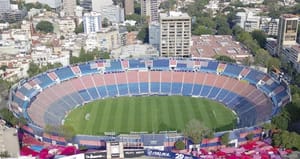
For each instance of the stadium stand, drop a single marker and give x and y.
(47, 98)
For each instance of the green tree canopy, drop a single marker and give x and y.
(45, 26)
(225, 139)
(179, 145)
(196, 131)
(260, 37)
(79, 28)
(225, 58)
(35, 69)
(143, 34)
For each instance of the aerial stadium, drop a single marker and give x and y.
(147, 102)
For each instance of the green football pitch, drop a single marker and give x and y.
(148, 114)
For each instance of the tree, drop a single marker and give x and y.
(201, 30)
(79, 28)
(225, 139)
(222, 26)
(45, 26)
(167, 5)
(260, 37)
(196, 131)
(105, 23)
(143, 34)
(225, 58)
(8, 116)
(250, 136)
(67, 131)
(4, 154)
(3, 68)
(281, 120)
(179, 145)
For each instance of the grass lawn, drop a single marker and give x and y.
(148, 113)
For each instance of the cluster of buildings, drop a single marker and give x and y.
(105, 29)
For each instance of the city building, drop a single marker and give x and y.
(135, 51)
(273, 27)
(248, 21)
(69, 7)
(55, 4)
(113, 13)
(98, 4)
(149, 8)
(154, 34)
(66, 25)
(271, 45)
(292, 54)
(86, 5)
(92, 22)
(210, 46)
(287, 32)
(175, 34)
(5, 6)
(129, 7)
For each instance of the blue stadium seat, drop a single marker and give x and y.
(93, 93)
(137, 64)
(76, 98)
(44, 81)
(161, 64)
(221, 95)
(134, 88)
(165, 88)
(86, 68)
(254, 76)
(68, 99)
(196, 90)
(205, 91)
(115, 65)
(84, 94)
(144, 87)
(231, 98)
(187, 89)
(232, 70)
(211, 66)
(112, 90)
(102, 91)
(19, 101)
(176, 88)
(28, 92)
(155, 87)
(213, 92)
(64, 73)
(123, 89)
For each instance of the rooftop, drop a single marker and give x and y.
(208, 46)
(172, 15)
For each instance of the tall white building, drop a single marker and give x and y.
(52, 3)
(175, 34)
(98, 4)
(69, 7)
(149, 8)
(4, 5)
(92, 22)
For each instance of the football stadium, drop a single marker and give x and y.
(147, 102)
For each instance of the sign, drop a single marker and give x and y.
(134, 154)
(168, 154)
(95, 155)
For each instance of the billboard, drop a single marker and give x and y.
(134, 154)
(95, 155)
(167, 154)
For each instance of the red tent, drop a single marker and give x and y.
(26, 151)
